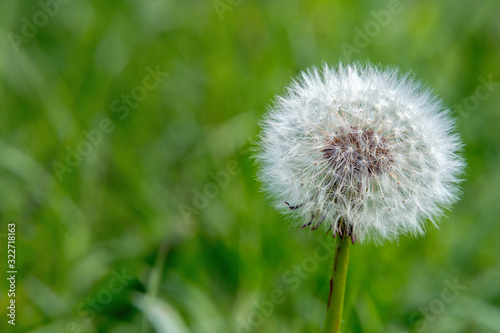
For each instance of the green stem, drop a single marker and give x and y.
(337, 285)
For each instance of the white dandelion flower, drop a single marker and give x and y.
(360, 151)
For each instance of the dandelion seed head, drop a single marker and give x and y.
(367, 149)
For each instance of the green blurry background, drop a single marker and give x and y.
(125, 242)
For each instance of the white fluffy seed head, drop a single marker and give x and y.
(360, 148)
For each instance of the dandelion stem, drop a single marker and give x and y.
(337, 285)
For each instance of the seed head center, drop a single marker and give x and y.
(358, 152)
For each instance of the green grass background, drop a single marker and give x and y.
(118, 211)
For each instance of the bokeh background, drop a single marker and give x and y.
(159, 224)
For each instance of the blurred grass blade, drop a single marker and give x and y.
(161, 315)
